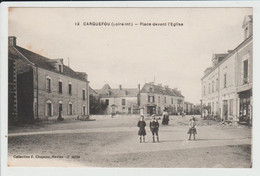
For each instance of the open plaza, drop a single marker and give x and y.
(113, 142)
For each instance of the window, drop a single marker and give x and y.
(83, 94)
(107, 102)
(84, 110)
(70, 89)
(159, 99)
(150, 89)
(246, 32)
(70, 109)
(245, 74)
(129, 110)
(60, 108)
(123, 101)
(212, 86)
(60, 86)
(172, 100)
(209, 88)
(204, 90)
(60, 68)
(151, 99)
(49, 109)
(48, 84)
(165, 100)
(225, 80)
(217, 84)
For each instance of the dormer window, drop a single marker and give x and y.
(60, 70)
(59, 65)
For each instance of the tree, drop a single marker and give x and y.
(96, 106)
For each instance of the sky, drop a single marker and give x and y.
(131, 55)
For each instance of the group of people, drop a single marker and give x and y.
(154, 127)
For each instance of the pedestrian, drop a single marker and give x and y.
(192, 128)
(141, 124)
(154, 127)
(165, 115)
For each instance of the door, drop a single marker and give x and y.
(49, 109)
(225, 110)
(60, 109)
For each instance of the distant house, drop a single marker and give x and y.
(120, 100)
(45, 88)
(155, 98)
(188, 107)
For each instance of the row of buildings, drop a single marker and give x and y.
(227, 84)
(150, 99)
(43, 88)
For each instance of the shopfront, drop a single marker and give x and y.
(245, 106)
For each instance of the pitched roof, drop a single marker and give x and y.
(107, 92)
(44, 62)
(92, 91)
(161, 90)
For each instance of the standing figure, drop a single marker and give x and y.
(165, 120)
(141, 124)
(192, 128)
(154, 127)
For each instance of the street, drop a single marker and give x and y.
(113, 142)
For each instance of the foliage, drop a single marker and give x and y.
(96, 106)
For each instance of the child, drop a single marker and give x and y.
(141, 124)
(154, 127)
(192, 128)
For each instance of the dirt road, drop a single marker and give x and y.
(109, 142)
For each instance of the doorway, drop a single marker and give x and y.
(225, 109)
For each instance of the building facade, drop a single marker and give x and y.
(121, 100)
(188, 108)
(46, 88)
(227, 85)
(155, 98)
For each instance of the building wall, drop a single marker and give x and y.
(210, 91)
(232, 67)
(171, 101)
(228, 93)
(243, 54)
(76, 98)
(128, 108)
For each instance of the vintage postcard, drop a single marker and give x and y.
(129, 87)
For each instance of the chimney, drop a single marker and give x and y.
(166, 86)
(12, 41)
(120, 87)
(229, 51)
(160, 85)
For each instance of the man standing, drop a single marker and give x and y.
(154, 127)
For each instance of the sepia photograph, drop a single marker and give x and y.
(121, 87)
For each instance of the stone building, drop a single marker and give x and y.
(155, 98)
(46, 87)
(227, 85)
(121, 100)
